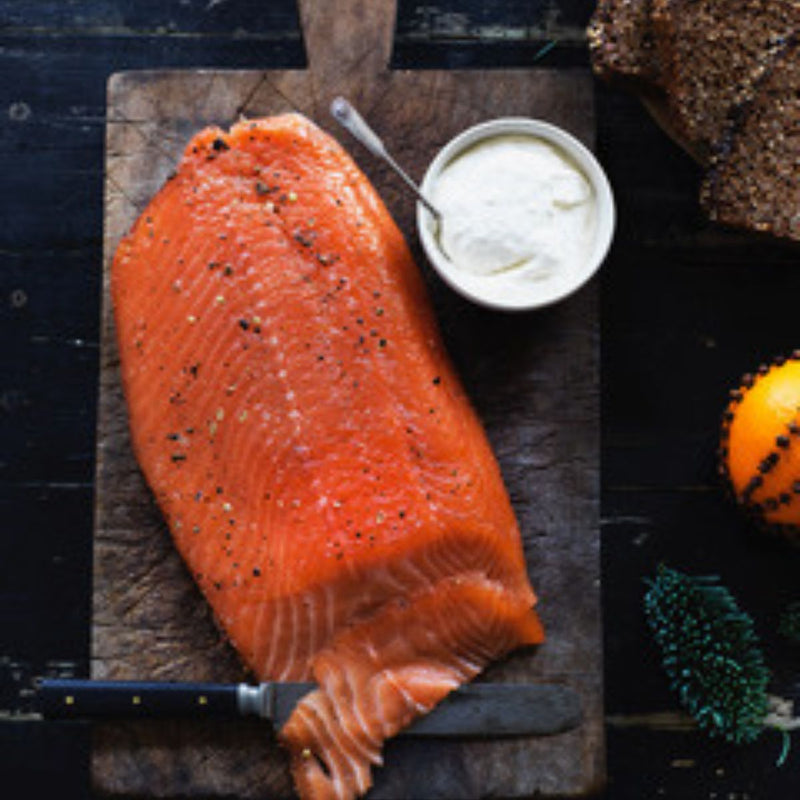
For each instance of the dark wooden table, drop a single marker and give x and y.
(685, 309)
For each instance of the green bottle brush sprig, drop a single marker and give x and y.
(713, 658)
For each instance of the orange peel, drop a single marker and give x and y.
(760, 445)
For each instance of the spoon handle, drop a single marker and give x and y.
(353, 122)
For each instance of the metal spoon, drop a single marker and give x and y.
(352, 121)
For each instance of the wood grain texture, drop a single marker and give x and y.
(533, 378)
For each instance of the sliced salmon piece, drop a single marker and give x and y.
(320, 468)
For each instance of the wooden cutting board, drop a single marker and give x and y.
(532, 377)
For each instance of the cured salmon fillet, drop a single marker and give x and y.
(319, 466)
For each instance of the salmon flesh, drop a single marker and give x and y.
(313, 452)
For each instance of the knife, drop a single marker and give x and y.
(481, 709)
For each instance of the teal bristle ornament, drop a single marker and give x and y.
(710, 653)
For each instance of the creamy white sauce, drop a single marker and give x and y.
(517, 211)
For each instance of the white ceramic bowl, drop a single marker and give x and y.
(484, 289)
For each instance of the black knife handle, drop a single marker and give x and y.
(59, 698)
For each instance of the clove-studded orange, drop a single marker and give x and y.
(317, 460)
(760, 447)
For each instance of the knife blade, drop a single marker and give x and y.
(481, 709)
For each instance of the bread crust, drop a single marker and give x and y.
(753, 180)
(712, 54)
(621, 43)
(722, 77)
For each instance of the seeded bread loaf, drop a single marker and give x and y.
(621, 42)
(754, 180)
(723, 78)
(712, 53)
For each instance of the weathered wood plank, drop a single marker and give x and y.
(236, 18)
(517, 32)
